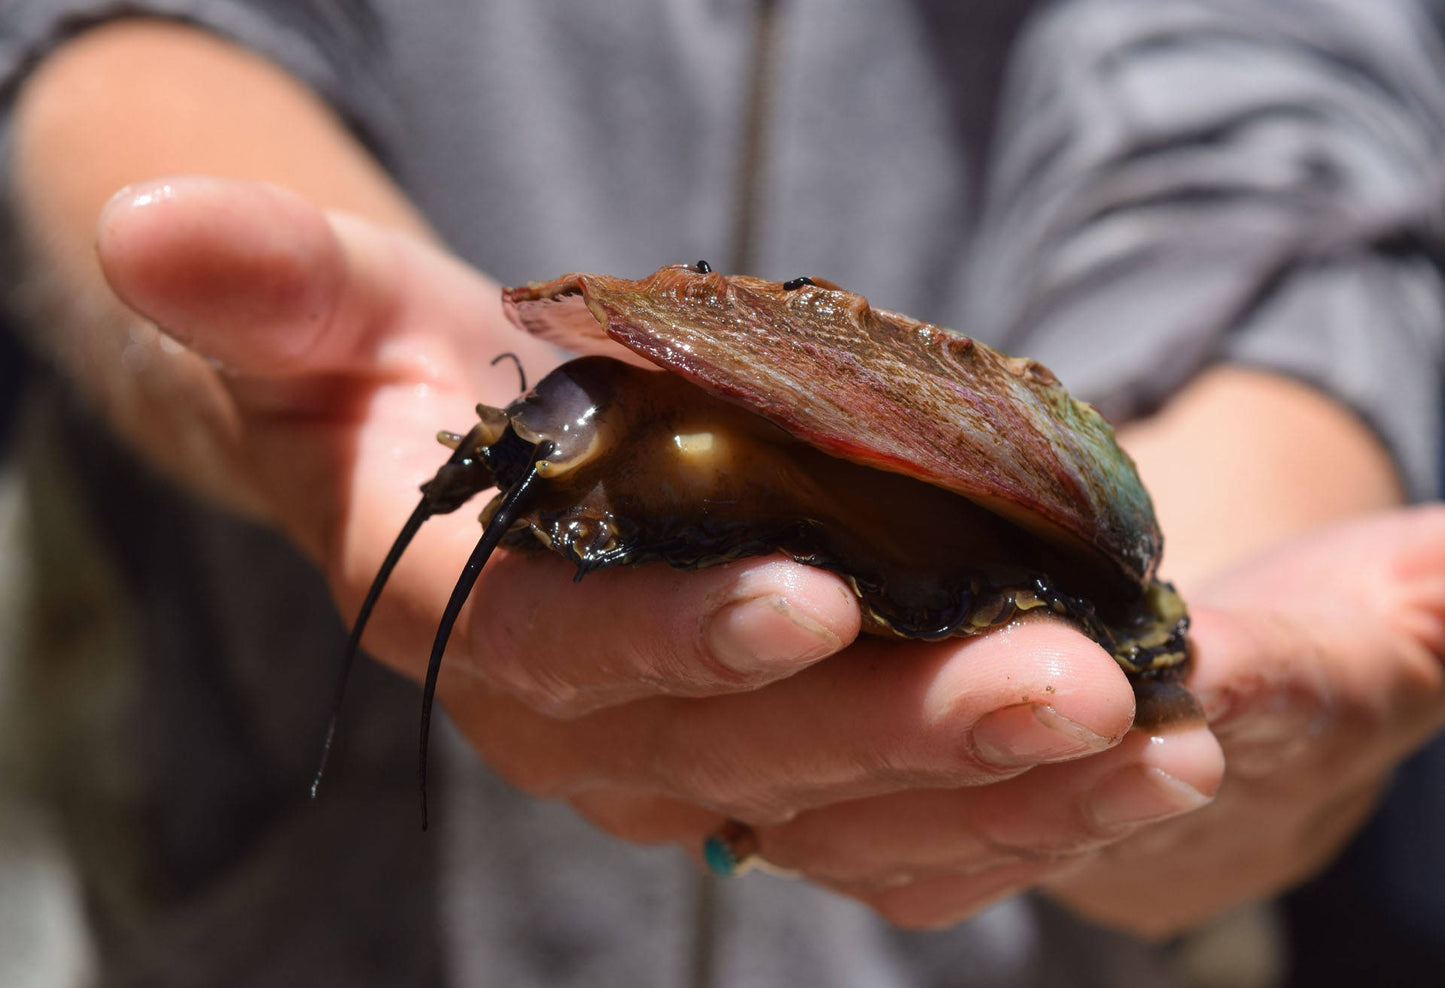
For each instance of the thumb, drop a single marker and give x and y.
(252, 276)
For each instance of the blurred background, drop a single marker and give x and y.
(1376, 917)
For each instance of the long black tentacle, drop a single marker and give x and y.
(422, 512)
(512, 505)
(435, 500)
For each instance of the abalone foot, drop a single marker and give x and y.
(1163, 705)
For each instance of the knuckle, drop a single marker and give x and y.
(534, 684)
(714, 785)
(1071, 831)
(567, 687)
(560, 702)
(671, 667)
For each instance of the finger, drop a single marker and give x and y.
(630, 633)
(268, 286)
(644, 818)
(565, 648)
(1052, 812)
(875, 719)
(251, 275)
(941, 901)
(908, 901)
(344, 346)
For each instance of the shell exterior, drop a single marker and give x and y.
(873, 387)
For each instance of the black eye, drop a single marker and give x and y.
(703, 267)
(796, 283)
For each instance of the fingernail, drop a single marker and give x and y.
(767, 632)
(1030, 733)
(1139, 794)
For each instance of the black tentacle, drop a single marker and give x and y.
(422, 512)
(521, 374)
(507, 512)
(437, 499)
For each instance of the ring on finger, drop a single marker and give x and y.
(731, 850)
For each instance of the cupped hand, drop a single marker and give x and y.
(926, 779)
(1321, 665)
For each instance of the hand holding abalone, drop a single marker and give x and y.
(710, 418)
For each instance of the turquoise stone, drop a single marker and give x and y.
(719, 857)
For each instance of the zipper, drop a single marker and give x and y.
(749, 201)
(750, 192)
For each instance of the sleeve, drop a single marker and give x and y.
(336, 47)
(1183, 182)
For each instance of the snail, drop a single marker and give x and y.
(951, 486)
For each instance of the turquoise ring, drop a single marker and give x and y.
(730, 850)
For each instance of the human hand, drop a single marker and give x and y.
(1320, 668)
(660, 703)
(333, 350)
